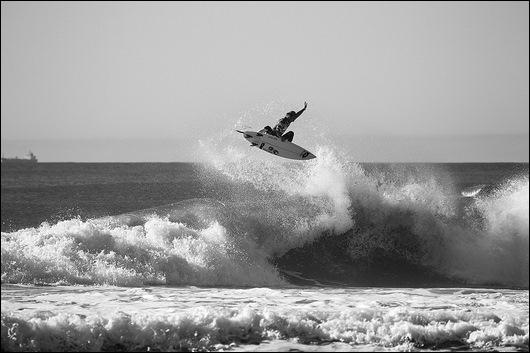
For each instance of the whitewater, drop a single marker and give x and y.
(323, 255)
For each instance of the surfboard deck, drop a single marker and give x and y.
(274, 145)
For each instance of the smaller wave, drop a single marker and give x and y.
(207, 329)
(131, 251)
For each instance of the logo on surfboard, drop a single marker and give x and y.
(274, 145)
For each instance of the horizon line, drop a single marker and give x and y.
(336, 134)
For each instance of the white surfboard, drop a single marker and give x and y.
(276, 146)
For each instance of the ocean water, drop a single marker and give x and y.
(247, 252)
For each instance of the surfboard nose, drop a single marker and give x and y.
(307, 155)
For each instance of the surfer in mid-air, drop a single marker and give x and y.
(274, 141)
(283, 124)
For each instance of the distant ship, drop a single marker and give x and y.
(31, 160)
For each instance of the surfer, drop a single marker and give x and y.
(283, 124)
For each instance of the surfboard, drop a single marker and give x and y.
(274, 145)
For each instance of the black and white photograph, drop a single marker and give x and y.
(257, 176)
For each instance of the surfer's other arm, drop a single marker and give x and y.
(284, 123)
(296, 115)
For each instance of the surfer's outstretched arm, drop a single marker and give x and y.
(301, 111)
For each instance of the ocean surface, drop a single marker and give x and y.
(241, 253)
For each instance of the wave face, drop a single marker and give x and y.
(272, 222)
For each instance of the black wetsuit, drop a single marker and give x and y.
(283, 124)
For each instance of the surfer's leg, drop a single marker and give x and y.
(288, 136)
(268, 130)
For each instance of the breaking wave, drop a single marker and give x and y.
(272, 223)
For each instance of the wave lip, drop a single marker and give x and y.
(472, 191)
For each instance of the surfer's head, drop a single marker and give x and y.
(290, 114)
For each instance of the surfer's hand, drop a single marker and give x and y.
(305, 105)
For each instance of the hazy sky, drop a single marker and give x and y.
(83, 72)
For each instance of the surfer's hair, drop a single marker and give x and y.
(292, 112)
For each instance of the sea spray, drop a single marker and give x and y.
(412, 216)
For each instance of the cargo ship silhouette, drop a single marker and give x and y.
(31, 160)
